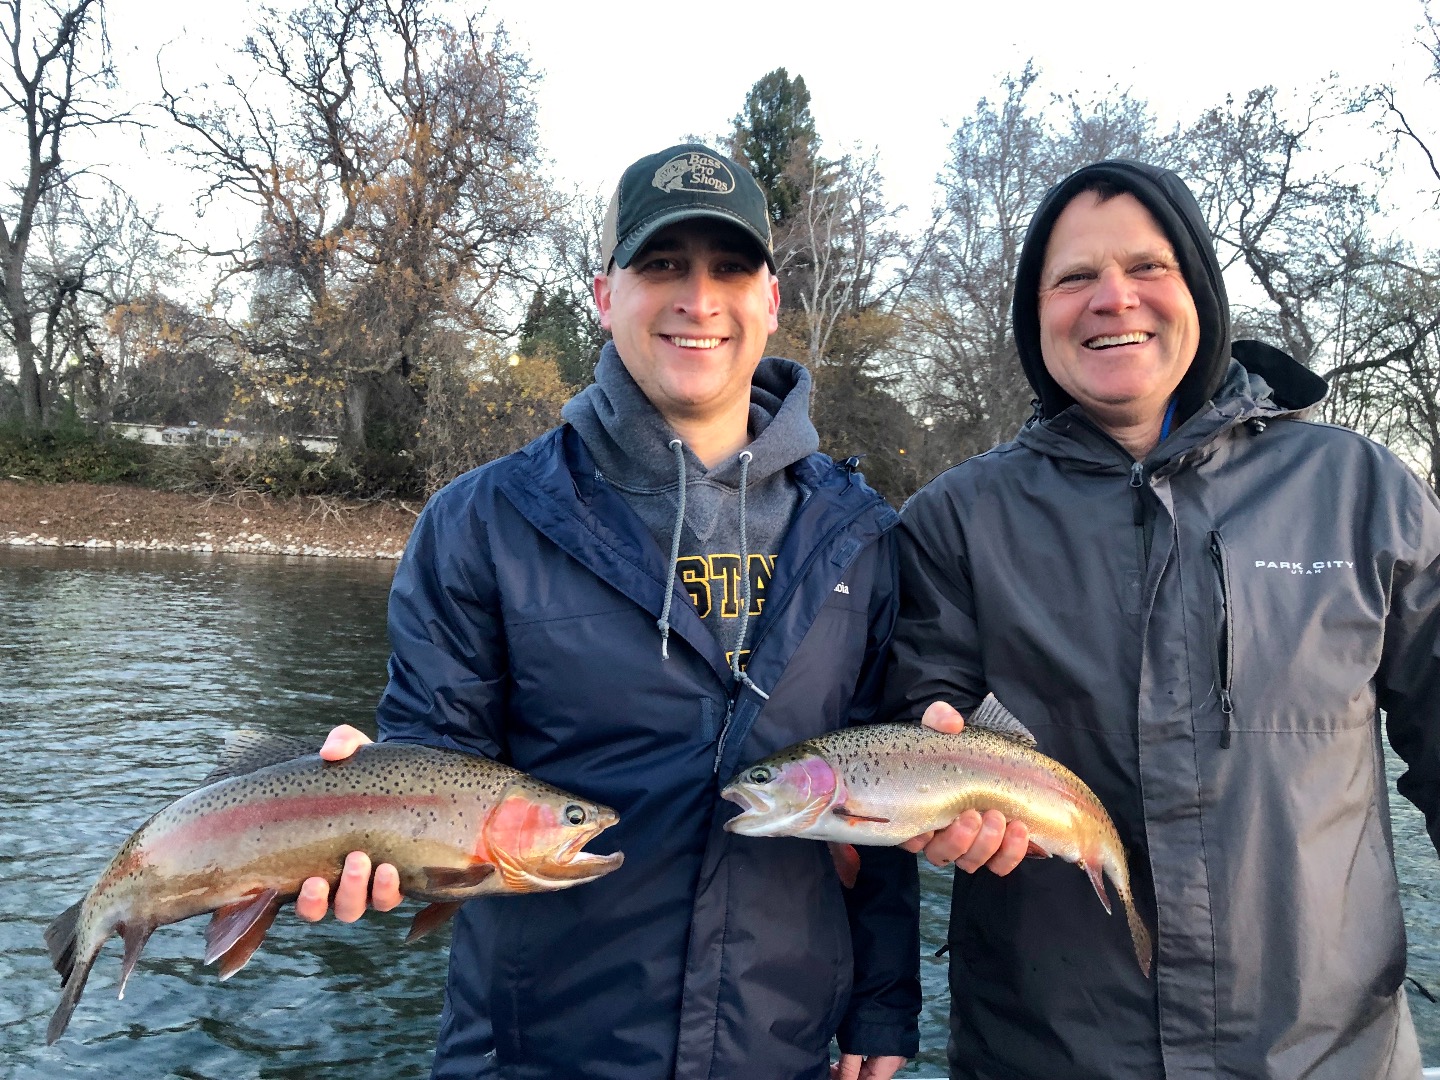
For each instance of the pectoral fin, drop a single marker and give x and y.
(453, 878)
(431, 917)
(844, 812)
(236, 931)
(847, 862)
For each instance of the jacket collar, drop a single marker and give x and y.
(1260, 383)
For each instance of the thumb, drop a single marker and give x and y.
(342, 742)
(941, 716)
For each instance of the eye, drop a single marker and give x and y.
(574, 814)
(760, 774)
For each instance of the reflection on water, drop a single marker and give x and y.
(118, 675)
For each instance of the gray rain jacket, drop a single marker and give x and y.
(1205, 637)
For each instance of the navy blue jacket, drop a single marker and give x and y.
(522, 620)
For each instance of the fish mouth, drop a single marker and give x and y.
(761, 816)
(567, 864)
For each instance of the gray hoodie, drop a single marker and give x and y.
(710, 520)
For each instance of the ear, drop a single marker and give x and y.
(602, 299)
(774, 303)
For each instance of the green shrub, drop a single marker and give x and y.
(72, 454)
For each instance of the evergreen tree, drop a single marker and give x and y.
(775, 133)
(558, 328)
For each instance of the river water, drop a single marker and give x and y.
(119, 673)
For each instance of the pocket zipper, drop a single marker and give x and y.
(1225, 652)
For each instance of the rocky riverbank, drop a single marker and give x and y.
(138, 519)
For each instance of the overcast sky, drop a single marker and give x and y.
(621, 80)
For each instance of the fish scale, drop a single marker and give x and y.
(454, 825)
(882, 784)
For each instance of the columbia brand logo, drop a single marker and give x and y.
(843, 588)
(1319, 566)
(695, 172)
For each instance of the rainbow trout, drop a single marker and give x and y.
(455, 825)
(881, 784)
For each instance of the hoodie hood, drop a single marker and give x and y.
(1173, 206)
(629, 439)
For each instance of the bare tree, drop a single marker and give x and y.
(964, 370)
(52, 86)
(398, 190)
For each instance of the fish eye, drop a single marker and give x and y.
(761, 774)
(574, 814)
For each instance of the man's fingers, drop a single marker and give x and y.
(847, 1068)
(955, 839)
(353, 892)
(342, 742)
(385, 888)
(986, 844)
(314, 899)
(1013, 849)
(943, 717)
(917, 843)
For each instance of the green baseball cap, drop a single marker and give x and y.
(684, 182)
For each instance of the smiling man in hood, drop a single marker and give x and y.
(672, 584)
(1200, 601)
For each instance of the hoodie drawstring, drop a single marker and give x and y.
(664, 623)
(745, 458)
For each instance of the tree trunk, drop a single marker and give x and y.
(357, 407)
(31, 412)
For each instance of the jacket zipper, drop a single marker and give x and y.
(1137, 486)
(783, 599)
(1225, 650)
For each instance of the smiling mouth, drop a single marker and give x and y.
(694, 342)
(1111, 341)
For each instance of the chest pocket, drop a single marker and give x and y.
(1295, 643)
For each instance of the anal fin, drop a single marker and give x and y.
(236, 930)
(1097, 879)
(134, 935)
(431, 917)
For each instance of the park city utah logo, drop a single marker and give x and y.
(695, 172)
(1296, 566)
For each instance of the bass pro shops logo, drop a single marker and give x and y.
(695, 172)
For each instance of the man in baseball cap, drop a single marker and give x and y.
(598, 611)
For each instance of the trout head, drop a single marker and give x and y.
(784, 795)
(534, 837)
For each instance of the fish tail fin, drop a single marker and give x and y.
(68, 999)
(60, 939)
(1139, 933)
(77, 972)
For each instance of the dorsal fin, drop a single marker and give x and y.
(247, 750)
(991, 716)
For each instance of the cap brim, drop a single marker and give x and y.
(639, 236)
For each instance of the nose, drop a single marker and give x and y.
(1114, 292)
(698, 295)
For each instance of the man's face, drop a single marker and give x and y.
(690, 316)
(1118, 327)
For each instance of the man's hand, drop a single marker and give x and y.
(856, 1067)
(355, 884)
(972, 840)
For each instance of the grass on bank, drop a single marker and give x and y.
(75, 453)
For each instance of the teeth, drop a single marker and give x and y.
(696, 342)
(1108, 340)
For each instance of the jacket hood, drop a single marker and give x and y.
(1170, 202)
(1259, 383)
(629, 439)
